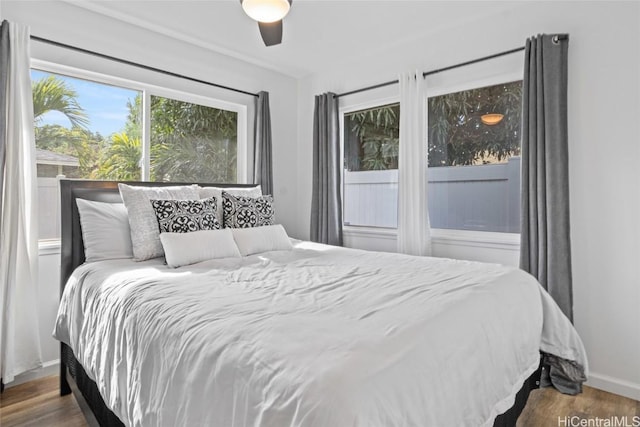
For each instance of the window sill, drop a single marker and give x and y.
(370, 232)
(49, 247)
(480, 239)
(483, 239)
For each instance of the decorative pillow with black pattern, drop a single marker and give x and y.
(245, 212)
(185, 216)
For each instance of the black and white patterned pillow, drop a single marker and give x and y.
(245, 212)
(184, 216)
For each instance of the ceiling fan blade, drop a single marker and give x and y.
(271, 32)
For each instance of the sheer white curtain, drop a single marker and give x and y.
(414, 232)
(19, 337)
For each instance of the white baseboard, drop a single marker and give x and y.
(614, 385)
(51, 367)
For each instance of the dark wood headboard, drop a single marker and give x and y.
(72, 246)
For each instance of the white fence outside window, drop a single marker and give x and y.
(479, 197)
(48, 208)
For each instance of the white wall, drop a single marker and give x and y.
(66, 23)
(48, 298)
(604, 106)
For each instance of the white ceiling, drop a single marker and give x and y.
(316, 33)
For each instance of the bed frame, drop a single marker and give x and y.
(73, 377)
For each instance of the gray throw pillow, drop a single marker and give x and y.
(145, 234)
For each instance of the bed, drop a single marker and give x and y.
(314, 336)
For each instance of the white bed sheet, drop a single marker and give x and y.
(317, 336)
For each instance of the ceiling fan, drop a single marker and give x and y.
(268, 14)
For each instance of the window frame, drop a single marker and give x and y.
(374, 102)
(50, 246)
(497, 79)
(437, 85)
(474, 237)
(149, 90)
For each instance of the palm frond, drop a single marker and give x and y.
(53, 94)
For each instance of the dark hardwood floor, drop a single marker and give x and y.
(546, 407)
(38, 403)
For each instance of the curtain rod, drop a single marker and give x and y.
(135, 64)
(439, 70)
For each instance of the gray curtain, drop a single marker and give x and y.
(262, 165)
(545, 243)
(326, 201)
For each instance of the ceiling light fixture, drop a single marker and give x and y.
(491, 119)
(266, 10)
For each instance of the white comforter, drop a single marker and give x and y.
(317, 336)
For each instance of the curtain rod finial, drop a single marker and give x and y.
(556, 39)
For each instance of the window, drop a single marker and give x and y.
(474, 163)
(91, 130)
(83, 129)
(371, 166)
(192, 143)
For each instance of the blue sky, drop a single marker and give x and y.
(106, 106)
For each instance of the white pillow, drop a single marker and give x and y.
(145, 234)
(188, 248)
(255, 240)
(105, 230)
(206, 192)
